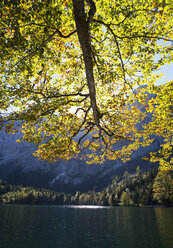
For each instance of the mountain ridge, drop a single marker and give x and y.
(18, 165)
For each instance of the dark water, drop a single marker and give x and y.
(61, 227)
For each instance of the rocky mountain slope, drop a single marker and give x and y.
(19, 166)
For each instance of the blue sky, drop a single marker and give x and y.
(167, 70)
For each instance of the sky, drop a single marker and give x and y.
(167, 70)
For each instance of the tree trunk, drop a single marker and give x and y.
(83, 35)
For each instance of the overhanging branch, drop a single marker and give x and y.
(57, 31)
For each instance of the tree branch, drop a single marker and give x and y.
(92, 10)
(44, 42)
(130, 37)
(108, 27)
(84, 120)
(122, 63)
(76, 101)
(56, 95)
(144, 36)
(118, 47)
(89, 130)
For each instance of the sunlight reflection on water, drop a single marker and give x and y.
(85, 206)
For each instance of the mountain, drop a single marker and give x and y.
(19, 166)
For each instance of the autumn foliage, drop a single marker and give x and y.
(69, 70)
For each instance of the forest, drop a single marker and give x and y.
(139, 189)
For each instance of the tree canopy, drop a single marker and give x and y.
(163, 187)
(69, 70)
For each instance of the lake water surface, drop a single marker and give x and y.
(86, 227)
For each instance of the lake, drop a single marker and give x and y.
(24, 226)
